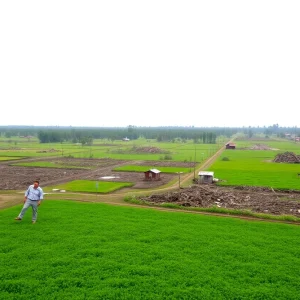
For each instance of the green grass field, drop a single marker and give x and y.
(97, 251)
(177, 151)
(91, 186)
(255, 167)
(187, 152)
(133, 168)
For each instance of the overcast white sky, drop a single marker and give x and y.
(150, 63)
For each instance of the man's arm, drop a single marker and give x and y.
(41, 196)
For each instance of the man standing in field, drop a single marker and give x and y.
(33, 197)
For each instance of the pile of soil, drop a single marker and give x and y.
(287, 157)
(266, 201)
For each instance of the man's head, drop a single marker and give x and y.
(36, 184)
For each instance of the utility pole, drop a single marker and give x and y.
(195, 163)
(179, 178)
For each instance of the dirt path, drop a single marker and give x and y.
(8, 200)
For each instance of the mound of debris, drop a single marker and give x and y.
(148, 150)
(260, 147)
(264, 201)
(287, 157)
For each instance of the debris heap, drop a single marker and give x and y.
(148, 150)
(287, 157)
(264, 200)
(260, 147)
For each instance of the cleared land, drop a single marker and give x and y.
(17, 178)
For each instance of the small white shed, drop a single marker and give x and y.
(206, 177)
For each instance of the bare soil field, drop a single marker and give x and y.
(259, 200)
(17, 178)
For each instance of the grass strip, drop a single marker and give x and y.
(91, 186)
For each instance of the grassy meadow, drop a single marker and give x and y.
(178, 151)
(98, 251)
(90, 186)
(255, 167)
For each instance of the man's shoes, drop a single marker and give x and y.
(18, 218)
(33, 222)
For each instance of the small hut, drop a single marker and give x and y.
(206, 177)
(230, 146)
(152, 174)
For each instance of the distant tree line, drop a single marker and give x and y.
(85, 135)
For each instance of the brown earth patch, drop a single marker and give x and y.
(16, 178)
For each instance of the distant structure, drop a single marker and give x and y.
(288, 135)
(206, 177)
(230, 146)
(126, 139)
(152, 174)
